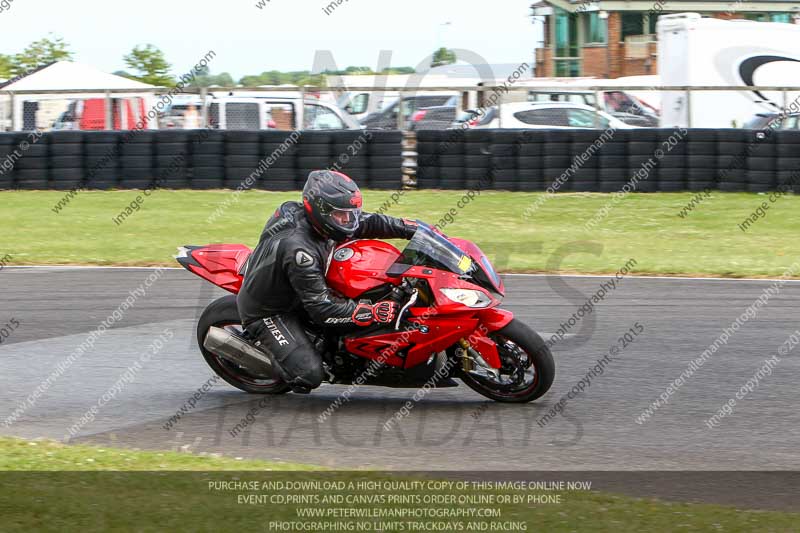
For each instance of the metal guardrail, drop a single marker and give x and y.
(403, 92)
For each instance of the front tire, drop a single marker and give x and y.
(520, 348)
(223, 313)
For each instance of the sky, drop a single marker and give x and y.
(282, 35)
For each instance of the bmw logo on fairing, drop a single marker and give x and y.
(343, 254)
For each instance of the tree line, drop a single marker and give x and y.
(148, 64)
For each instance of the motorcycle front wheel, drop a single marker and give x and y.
(527, 367)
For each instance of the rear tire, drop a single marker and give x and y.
(223, 313)
(538, 357)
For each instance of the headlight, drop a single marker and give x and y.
(468, 297)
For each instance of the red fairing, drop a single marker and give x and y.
(218, 263)
(495, 319)
(359, 266)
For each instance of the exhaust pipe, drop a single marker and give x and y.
(233, 348)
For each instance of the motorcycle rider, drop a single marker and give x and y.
(284, 277)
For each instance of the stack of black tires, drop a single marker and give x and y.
(732, 148)
(7, 162)
(672, 159)
(504, 149)
(787, 165)
(315, 151)
(279, 156)
(207, 160)
(242, 156)
(67, 165)
(700, 148)
(101, 161)
(350, 154)
(385, 150)
(137, 161)
(24, 161)
(639, 161)
(557, 158)
(642, 159)
(762, 160)
(172, 160)
(441, 159)
(529, 172)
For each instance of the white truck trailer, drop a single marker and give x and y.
(698, 52)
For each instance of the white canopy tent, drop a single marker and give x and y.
(67, 80)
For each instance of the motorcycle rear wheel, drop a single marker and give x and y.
(521, 349)
(223, 313)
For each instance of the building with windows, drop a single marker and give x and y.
(610, 39)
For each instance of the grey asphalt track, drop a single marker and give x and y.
(450, 429)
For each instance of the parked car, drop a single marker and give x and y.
(472, 118)
(765, 120)
(262, 113)
(386, 119)
(620, 104)
(432, 118)
(548, 115)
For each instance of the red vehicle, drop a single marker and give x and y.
(90, 114)
(449, 326)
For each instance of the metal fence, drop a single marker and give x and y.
(405, 108)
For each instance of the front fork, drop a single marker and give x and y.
(479, 348)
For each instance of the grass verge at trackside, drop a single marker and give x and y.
(642, 226)
(161, 498)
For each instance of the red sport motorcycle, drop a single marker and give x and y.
(449, 324)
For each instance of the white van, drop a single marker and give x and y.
(278, 113)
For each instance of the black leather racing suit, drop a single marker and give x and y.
(285, 276)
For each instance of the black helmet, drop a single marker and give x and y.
(333, 204)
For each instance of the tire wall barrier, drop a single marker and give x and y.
(642, 159)
(196, 159)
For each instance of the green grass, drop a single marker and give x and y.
(161, 498)
(51, 456)
(644, 227)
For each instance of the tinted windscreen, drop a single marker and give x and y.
(430, 249)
